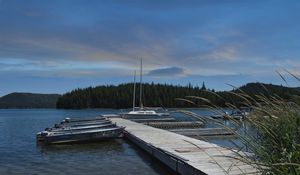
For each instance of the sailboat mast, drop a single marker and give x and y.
(133, 101)
(141, 86)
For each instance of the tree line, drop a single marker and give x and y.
(166, 95)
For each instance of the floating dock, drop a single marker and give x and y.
(145, 120)
(174, 125)
(183, 154)
(203, 132)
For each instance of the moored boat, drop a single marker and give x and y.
(142, 112)
(83, 119)
(74, 128)
(80, 130)
(77, 124)
(88, 135)
(235, 114)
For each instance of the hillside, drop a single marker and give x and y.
(28, 100)
(163, 95)
(256, 88)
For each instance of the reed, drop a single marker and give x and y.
(274, 138)
(276, 144)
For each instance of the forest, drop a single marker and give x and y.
(167, 96)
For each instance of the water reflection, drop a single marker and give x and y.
(114, 145)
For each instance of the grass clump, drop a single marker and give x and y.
(273, 139)
(276, 145)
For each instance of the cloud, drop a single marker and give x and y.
(60, 39)
(169, 71)
(45, 68)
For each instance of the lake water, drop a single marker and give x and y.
(19, 153)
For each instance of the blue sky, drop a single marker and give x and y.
(55, 46)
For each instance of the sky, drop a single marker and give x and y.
(55, 46)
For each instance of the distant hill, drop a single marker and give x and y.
(286, 93)
(155, 95)
(28, 100)
(164, 95)
(270, 89)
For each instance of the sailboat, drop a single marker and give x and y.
(141, 112)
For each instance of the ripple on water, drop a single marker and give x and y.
(19, 153)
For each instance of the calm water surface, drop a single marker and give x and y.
(225, 141)
(19, 153)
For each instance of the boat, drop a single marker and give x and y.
(80, 130)
(237, 115)
(240, 114)
(82, 119)
(87, 135)
(74, 128)
(88, 123)
(142, 111)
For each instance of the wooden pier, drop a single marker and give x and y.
(183, 154)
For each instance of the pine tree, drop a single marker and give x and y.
(203, 86)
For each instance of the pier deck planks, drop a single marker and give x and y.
(184, 154)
